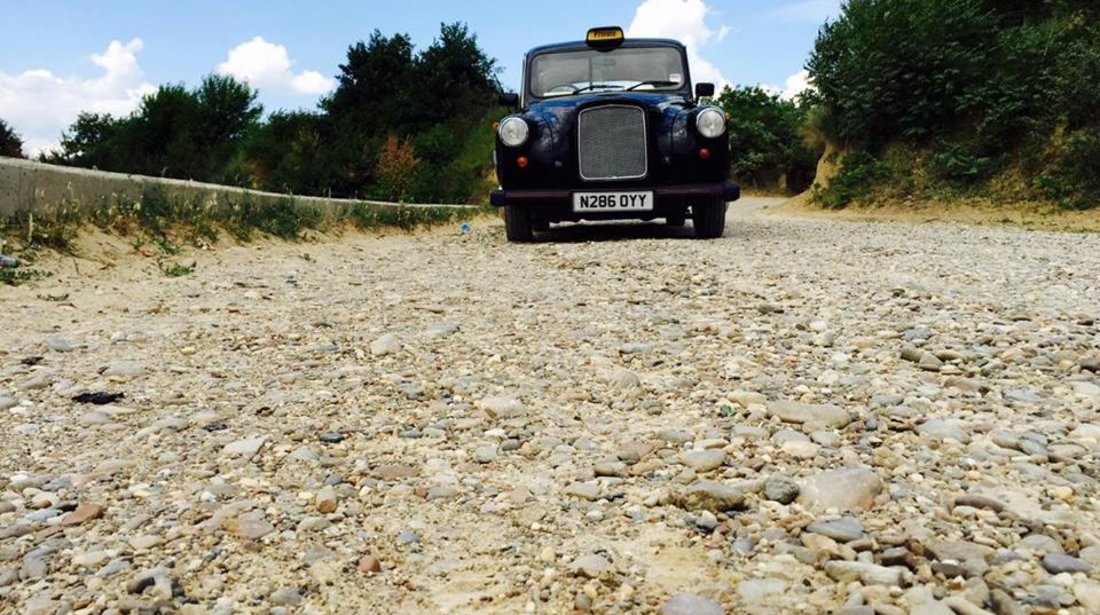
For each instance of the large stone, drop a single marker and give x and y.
(957, 550)
(944, 429)
(820, 415)
(844, 489)
(251, 526)
(385, 345)
(712, 496)
(1056, 563)
(124, 370)
(394, 471)
(866, 573)
(1088, 595)
(82, 514)
(691, 604)
(845, 529)
(780, 488)
(590, 566)
(501, 407)
(586, 491)
(247, 447)
(704, 461)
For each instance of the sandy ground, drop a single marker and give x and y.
(975, 213)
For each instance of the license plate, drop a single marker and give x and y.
(585, 202)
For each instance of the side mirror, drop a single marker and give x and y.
(704, 90)
(511, 99)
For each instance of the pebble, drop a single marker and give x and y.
(586, 491)
(822, 415)
(251, 526)
(502, 407)
(843, 489)
(1056, 563)
(247, 447)
(286, 596)
(691, 604)
(590, 566)
(385, 345)
(845, 529)
(780, 488)
(325, 500)
(485, 454)
(866, 573)
(944, 429)
(712, 496)
(82, 514)
(370, 565)
(704, 461)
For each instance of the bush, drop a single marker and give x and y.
(768, 147)
(857, 175)
(986, 86)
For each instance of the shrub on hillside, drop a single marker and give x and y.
(989, 87)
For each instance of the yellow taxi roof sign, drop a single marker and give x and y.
(609, 36)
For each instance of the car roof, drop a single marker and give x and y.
(627, 42)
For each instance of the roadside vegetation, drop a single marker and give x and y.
(401, 125)
(162, 224)
(912, 101)
(770, 147)
(939, 100)
(11, 144)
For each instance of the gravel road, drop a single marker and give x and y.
(805, 416)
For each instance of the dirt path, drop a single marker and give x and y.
(803, 415)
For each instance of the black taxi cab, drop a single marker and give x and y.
(611, 128)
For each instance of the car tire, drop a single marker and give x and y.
(518, 226)
(676, 221)
(709, 218)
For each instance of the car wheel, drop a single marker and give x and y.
(676, 221)
(518, 226)
(709, 218)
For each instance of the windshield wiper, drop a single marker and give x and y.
(594, 86)
(657, 83)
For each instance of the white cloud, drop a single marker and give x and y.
(808, 10)
(40, 105)
(796, 84)
(267, 65)
(685, 21)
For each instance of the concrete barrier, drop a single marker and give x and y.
(34, 187)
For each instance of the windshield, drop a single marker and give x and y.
(565, 73)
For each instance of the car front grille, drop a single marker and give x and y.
(612, 143)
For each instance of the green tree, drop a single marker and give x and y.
(767, 142)
(88, 143)
(973, 89)
(289, 153)
(11, 144)
(226, 111)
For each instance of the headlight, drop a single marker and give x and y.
(513, 131)
(710, 122)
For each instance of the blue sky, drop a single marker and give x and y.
(62, 57)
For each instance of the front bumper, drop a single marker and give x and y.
(666, 199)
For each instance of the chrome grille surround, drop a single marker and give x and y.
(611, 143)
